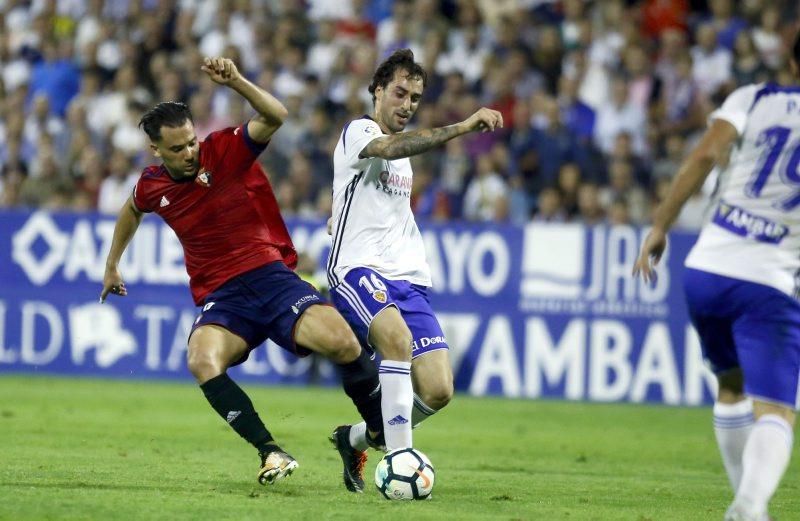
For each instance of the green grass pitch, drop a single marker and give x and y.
(101, 449)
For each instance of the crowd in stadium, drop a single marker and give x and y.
(601, 99)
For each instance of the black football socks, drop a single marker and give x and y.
(235, 407)
(361, 384)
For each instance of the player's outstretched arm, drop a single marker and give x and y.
(271, 112)
(127, 224)
(407, 144)
(690, 177)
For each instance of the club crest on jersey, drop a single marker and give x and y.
(203, 179)
(379, 295)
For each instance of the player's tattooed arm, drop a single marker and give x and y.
(406, 144)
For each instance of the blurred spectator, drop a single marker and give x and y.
(767, 38)
(726, 24)
(661, 15)
(205, 121)
(15, 71)
(519, 203)
(553, 143)
(301, 178)
(547, 57)
(711, 62)
(667, 165)
(569, 181)
(454, 167)
(466, 54)
(619, 212)
(323, 51)
(619, 115)
(590, 210)
(578, 117)
(41, 121)
(748, 66)
(549, 207)
(428, 199)
(641, 83)
(118, 186)
(623, 187)
(623, 151)
(570, 25)
(56, 75)
(485, 192)
(45, 186)
(390, 31)
(681, 105)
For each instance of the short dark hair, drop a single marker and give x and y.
(401, 59)
(171, 114)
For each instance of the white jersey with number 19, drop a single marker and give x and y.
(373, 225)
(754, 230)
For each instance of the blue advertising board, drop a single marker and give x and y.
(546, 310)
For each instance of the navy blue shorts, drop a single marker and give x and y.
(260, 304)
(751, 326)
(363, 294)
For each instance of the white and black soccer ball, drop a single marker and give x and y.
(405, 474)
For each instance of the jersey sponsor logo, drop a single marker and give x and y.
(203, 179)
(304, 300)
(745, 224)
(164, 201)
(394, 184)
(427, 341)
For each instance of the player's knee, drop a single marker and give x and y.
(343, 346)
(203, 364)
(437, 396)
(397, 346)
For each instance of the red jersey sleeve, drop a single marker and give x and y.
(234, 149)
(142, 191)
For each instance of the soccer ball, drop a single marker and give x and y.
(405, 474)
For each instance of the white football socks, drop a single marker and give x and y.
(765, 458)
(397, 400)
(732, 425)
(358, 431)
(358, 436)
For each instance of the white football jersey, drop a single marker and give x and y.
(754, 229)
(373, 225)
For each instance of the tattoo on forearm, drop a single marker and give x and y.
(406, 144)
